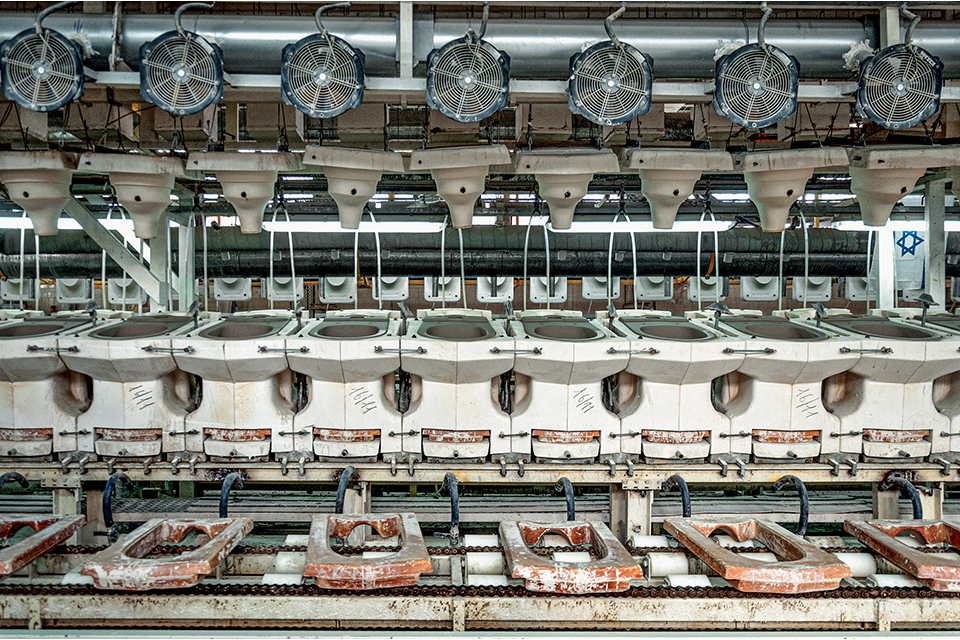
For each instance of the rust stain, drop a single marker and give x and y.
(129, 435)
(565, 437)
(123, 565)
(399, 569)
(806, 568)
(25, 435)
(347, 435)
(612, 571)
(441, 435)
(675, 437)
(237, 435)
(883, 435)
(784, 437)
(935, 570)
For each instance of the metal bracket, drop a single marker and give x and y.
(81, 432)
(741, 434)
(848, 433)
(168, 350)
(766, 351)
(651, 351)
(535, 351)
(263, 349)
(191, 432)
(522, 434)
(379, 349)
(630, 434)
(33, 347)
(301, 432)
(412, 432)
(880, 350)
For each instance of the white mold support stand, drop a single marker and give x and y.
(39, 182)
(39, 398)
(352, 176)
(666, 407)
(143, 184)
(564, 176)
(247, 399)
(232, 289)
(351, 358)
(888, 396)
(247, 179)
(776, 179)
(457, 357)
(562, 359)
(781, 374)
(140, 398)
(460, 174)
(668, 176)
(881, 176)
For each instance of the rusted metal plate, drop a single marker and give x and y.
(129, 435)
(611, 571)
(784, 437)
(123, 565)
(675, 437)
(50, 531)
(443, 435)
(25, 435)
(398, 569)
(565, 437)
(884, 435)
(805, 568)
(238, 435)
(935, 570)
(347, 435)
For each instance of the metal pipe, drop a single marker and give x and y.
(450, 483)
(225, 488)
(108, 495)
(13, 476)
(564, 485)
(804, 500)
(539, 48)
(899, 482)
(345, 477)
(681, 484)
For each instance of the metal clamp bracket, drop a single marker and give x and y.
(412, 432)
(766, 351)
(631, 434)
(168, 349)
(302, 432)
(651, 351)
(848, 433)
(522, 434)
(263, 349)
(33, 347)
(81, 432)
(379, 349)
(880, 350)
(742, 434)
(535, 351)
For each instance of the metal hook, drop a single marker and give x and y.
(608, 24)
(187, 7)
(804, 500)
(38, 23)
(914, 21)
(899, 482)
(767, 12)
(324, 9)
(342, 487)
(564, 485)
(681, 484)
(228, 482)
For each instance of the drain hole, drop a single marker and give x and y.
(137, 198)
(353, 192)
(26, 194)
(676, 192)
(566, 195)
(903, 189)
(463, 189)
(789, 192)
(243, 194)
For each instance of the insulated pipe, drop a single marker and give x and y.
(804, 500)
(899, 482)
(13, 476)
(563, 484)
(538, 48)
(108, 495)
(342, 487)
(681, 484)
(228, 483)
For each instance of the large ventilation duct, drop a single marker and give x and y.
(537, 48)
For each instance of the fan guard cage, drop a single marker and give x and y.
(900, 86)
(41, 73)
(181, 74)
(468, 80)
(610, 84)
(322, 76)
(756, 85)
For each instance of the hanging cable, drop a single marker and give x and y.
(376, 238)
(443, 263)
(869, 265)
(279, 204)
(633, 244)
(546, 250)
(716, 248)
(526, 245)
(23, 233)
(36, 281)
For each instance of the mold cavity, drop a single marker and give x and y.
(459, 331)
(336, 330)
(238, 331)
(25, 330)
(132, 330)
(566, 331)
(782, 331)
(678, 331)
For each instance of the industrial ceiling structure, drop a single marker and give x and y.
(479, 316)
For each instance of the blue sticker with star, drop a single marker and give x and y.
(908, 243)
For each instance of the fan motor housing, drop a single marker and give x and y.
(756, 85)
(890, 99)
(165, 78)
(464, 93)
(610, 85)
(330, 92)
(18, 82)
